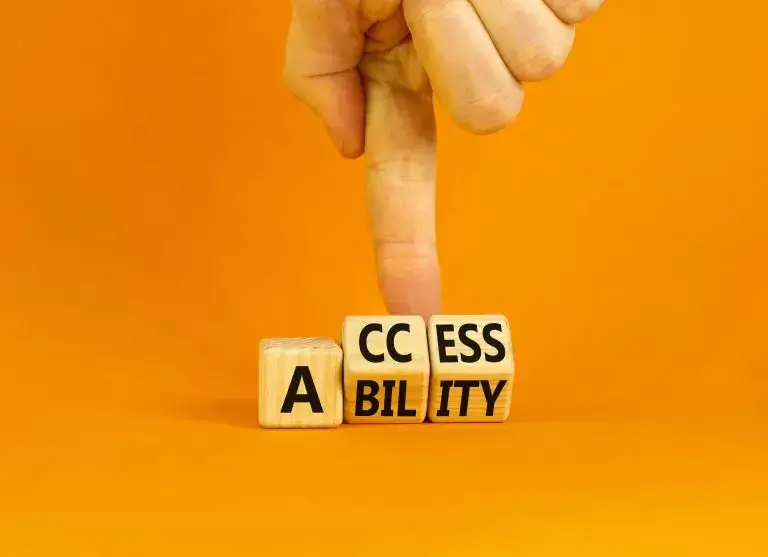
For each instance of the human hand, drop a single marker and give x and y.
(368, 69)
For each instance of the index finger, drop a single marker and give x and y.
(401, 177)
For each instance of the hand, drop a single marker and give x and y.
(368, 68)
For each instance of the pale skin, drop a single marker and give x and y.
(369, 69)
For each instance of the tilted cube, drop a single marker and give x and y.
(386, 369)
(300, 383)
(472, 368)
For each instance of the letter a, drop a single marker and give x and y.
(301, 373)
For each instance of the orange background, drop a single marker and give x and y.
(165, 203)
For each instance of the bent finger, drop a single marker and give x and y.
(531, 39)
(469, 77)
(323, 49)
(574, 11)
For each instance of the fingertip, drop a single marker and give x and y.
(350, 145)
(345, 117)
(424, 307)
(357, 149)
(409, 278)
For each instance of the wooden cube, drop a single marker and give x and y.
(472, 368)
(386, 369)
(300, 383)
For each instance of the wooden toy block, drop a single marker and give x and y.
(386, 369)
(472, 368)
(300, 383)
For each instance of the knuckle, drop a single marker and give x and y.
(409, 256)
(418, 11)
(490, 113)
(575, 11)
(544, 58)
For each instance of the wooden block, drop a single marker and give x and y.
(300, 383)
(386, 369)
(472, 368)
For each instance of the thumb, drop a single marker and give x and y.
(323, 49)
(401, 175)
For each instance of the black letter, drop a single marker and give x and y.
(401, 400)
(301, 373)
(389, 384)
(443, 343)
(367, 330)
(465, 388)
(396, 328)
(362, 397)
(476, 352)
(490, 397)
(446, 390)
(496, 343)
